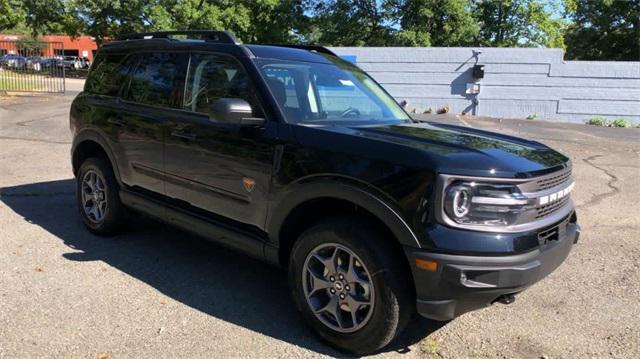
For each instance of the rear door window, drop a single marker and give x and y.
(108, 74)
(158, 79)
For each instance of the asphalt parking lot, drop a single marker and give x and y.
(159, 292)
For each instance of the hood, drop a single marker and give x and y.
(466, 151)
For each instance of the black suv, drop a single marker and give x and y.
(294, 156)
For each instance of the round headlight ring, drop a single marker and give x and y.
(461, 202)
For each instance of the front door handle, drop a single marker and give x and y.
(184, 135)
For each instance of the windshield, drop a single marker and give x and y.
(310, 92)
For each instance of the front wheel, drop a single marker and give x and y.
(350, 285)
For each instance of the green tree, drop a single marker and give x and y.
(45, 16)
(11, 14)
(349, 23)
(603, 30)
(519, 23)
(435, 22)
(104, 19)
(276, 21)
(265, 21)
(200, 15)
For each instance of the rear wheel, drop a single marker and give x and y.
(350, 285)
(97, 197)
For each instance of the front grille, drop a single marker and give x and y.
(553, 180)
(547, 209)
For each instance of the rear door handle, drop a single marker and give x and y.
(116, 121)
(183, 135)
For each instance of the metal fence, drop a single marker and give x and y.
(34, 66)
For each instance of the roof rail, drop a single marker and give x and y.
(207, 35)
(315, 48)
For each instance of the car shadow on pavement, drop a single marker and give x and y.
(205, 276)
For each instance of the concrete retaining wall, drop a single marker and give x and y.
(517, 82)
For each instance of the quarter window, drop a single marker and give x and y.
(107, 74)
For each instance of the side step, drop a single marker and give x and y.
(216, 231)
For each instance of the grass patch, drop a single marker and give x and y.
(17, 84)
(597, 121)
(429, 346)
(13, 81)
(620, 122)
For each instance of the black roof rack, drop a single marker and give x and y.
(207, 35)
(315, 48)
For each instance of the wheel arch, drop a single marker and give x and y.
(292, 216)
(91, 144)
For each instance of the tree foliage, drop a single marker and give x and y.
(592, 29)
(11, 14)
(45, 16)
(512, 23)
(603, 30)
(435, 22)
(349, 23)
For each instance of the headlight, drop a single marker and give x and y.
(487, 204)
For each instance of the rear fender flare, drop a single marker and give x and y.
(97, 137)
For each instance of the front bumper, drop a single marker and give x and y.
(464, 283)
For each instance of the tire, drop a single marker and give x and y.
(111, 210)
(390, 296)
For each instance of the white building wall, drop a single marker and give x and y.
(518, 82)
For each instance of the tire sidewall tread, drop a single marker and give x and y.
(114, 212)
(393, 293)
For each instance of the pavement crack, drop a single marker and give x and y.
(617, 226)
(611, 183)
(34, 140)
(24, 123)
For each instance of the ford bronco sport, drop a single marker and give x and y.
(297, 157)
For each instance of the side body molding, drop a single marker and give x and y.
(300, 193)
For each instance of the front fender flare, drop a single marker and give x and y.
(300, 193)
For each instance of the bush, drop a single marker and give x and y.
(597, 121)
(532, 117)
(620, 122)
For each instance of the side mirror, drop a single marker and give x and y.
(235, 111)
